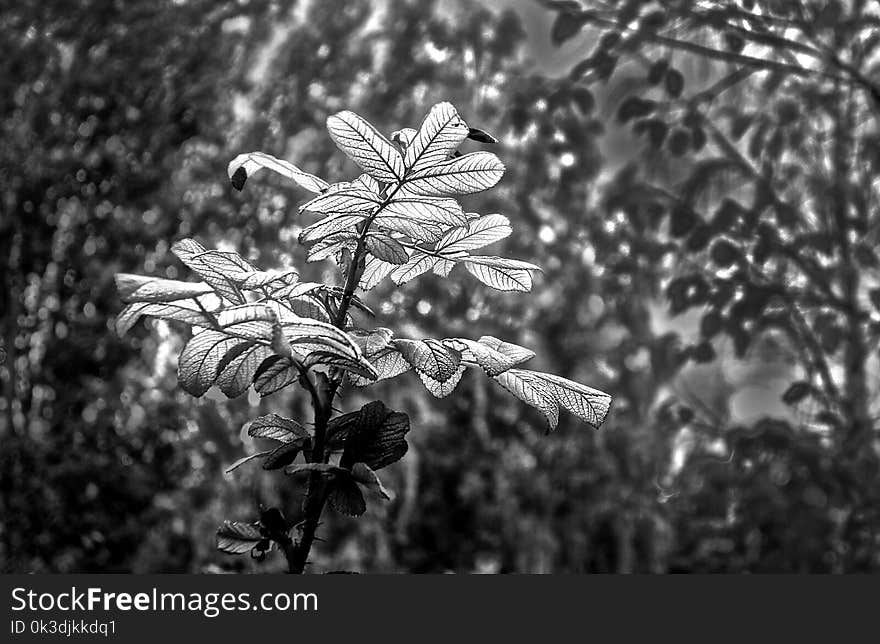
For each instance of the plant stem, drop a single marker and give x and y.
(297, 553)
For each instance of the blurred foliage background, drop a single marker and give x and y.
(698, 180)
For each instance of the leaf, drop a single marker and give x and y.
(441, 389)
(325, 469)
(245, 165)
(142, 288)
(249, 321)
(366, 147)
(182, 311)
(374, 435)
(588, 404)
(277, 428)
(308, 332)
(329, 246)
(372, 342)
(463, 175)
(418, 263)
(386, 248)
(493, 362)
(439, 135)
(501, 275)
(273, 375)
(346, 497)
(235, 376)
(365, 476)
(257, 280)
(387, 364)
(476, 234)
(342, 202)
(375, 270)
(509, 350)
(329, 226)
(416, 230)
(360, 367)
(368, 183)
(430, 357)
(245, 459)
(213, 267)
(403, 136)
(198, 362)
(533, 391)
(480, 136)
(429, 210)
(443, 267)
(237, 538)
(284, 454)
(310, 308)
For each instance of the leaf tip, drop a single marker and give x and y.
(238, 178)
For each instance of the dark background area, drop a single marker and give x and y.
(698, 180)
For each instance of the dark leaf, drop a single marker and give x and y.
(283, 455)
(238, 178)
(374, 435)
(346, 496)
(237, 538)
(476, 134)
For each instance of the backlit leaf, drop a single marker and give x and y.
(533, 391)
(463, 175)
(342, 202)
(416, 230)
(418, 263)
(365, 146)
(245, 165)
(375, 270)
(329, 226)
(430, 357)
(279, 428)
(198, 362)
(386, 248)
(142, 288)
(441, 389)
(439, 135)
(275, 374)
(429, 210)
(213, 268)
(235, 376)
(475, 234)
(403, 136)
(182, 311)
(498, 275)
(588, 404)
